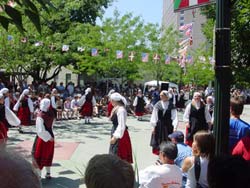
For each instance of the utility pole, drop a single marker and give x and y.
(222, 76)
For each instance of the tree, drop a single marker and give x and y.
(240, 47)
(57, 28)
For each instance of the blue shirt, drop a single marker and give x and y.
(238, 129)
(183, 152)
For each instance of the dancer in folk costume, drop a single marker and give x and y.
(164, 120)
(87, 102)
(6, 117)
(24, 108)
(43, 147)
(5, 92)
(196, 118)
(54, 99)
(110, 106)
(120, 143)
(139, 104)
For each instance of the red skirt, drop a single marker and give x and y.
(87, 109)
(139, 113)
(125, 148)
(24, 115)
(43, 152)
(3, 133)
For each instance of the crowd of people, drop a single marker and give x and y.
(184, 159)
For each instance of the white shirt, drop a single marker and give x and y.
(136, 100)
(191, 181)
(11, 117)
(122, 118)
(160, 176)
(30, 105)
(154, 116)
(188, 110)
(41, 131)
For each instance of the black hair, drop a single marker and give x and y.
(109, 171)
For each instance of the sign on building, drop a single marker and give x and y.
(189, 4)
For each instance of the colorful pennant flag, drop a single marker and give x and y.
(131, 56)
(144, 57)
(167, 59)
(24, 40)
(189, 59)
(183, 51)
(94, 52)
(186, 26)
(185, 41)
(9, 37)
(119, 54)
(156, 57)
(80, 49)
(189, 32)
(65, 48)
(38, 44)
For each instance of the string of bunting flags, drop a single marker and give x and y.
(182, 59)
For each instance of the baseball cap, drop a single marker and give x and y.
(177, 135)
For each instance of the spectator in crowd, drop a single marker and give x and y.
(43, 88)
(75, 107)
(242, 148)
(109, 171)
(196, 117)
(67, 111)
(61, 89)
(164, 121)
(155, 96)
(167, 174)
(196, 166)
(237, 128)
(228, 172)
(16, 172)
(54, 99)
(71, 89)
(184, 151)
(120, 143)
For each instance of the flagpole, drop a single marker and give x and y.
(222, 76)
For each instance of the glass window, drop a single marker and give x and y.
(68, 78)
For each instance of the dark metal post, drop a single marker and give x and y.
(222, 76)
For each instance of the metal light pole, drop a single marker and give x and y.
(222, 76)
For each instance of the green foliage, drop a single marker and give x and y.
(240, 46)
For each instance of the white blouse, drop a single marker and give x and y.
(41, 131)
(174, 117)
(122, 118)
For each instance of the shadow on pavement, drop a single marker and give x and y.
(61, 182)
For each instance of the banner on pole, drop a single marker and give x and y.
(180, 5)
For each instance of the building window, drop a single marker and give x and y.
(181, 23)
(182, 18)
(68, 78)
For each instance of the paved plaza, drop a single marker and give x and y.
(77, 142)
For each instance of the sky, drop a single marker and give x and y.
(149, 10)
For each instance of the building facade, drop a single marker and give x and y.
(184, 17)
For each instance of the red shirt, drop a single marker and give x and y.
(243, 148)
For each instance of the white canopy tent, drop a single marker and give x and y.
(153, 83)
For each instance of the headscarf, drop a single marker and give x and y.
(118, 97)
(88, 90)
(44, 105)
(111, 92)
(165, 92)
(54, 91)
(4, 90)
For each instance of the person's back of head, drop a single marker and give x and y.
(109, 171)
(16, 172)
(228, 172)
(169, 150)
(236, 106)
